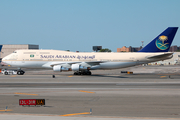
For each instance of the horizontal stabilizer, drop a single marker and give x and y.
(165, 55)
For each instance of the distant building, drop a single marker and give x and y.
(174, 48)
(123, 49)
(128, 49)
(97, 48)
(8, 49)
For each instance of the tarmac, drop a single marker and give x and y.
(151, 92)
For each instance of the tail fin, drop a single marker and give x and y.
(0, 53)
(0, 47)
(162, 42)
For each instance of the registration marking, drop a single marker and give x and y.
(76, 114)
(26, 94)
(86, 91)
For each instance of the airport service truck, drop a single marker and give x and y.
(8, 72)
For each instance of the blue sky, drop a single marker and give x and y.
(77, 25)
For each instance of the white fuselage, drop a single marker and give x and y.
(94, 60)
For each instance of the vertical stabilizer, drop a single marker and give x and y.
(0, 53)
(0, 47)
(162, 42)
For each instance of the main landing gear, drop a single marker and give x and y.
(82, 73)
(79, 73)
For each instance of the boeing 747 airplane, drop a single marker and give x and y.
(81, 63)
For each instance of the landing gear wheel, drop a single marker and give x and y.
(20, 72)
(82, 73)
(88, 73)
(79, 73)
(6, 73)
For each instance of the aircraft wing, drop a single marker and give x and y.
(74, 66)
(87, 63)
(94, 62)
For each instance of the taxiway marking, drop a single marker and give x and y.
(6, 110)
(13, 75)
(86, 91)
(76, 114)
(163, 76)
(26, 94)
(70, 76)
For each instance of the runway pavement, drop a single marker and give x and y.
(108, 95)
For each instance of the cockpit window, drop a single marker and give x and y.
(14, 52)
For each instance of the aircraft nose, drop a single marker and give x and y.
(2, 61)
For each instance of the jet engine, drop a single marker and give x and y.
(77, 67)
(59, 68)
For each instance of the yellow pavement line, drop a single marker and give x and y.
(70, 76)
(13, 75)
(76, 114)
(26, 94)
(6, 110)
(86, 91)
(163, 76)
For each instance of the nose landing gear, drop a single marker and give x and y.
(20, 72)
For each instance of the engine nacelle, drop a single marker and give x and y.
(59, 68)
(77, 67)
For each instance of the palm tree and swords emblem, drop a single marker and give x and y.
(160, 43)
